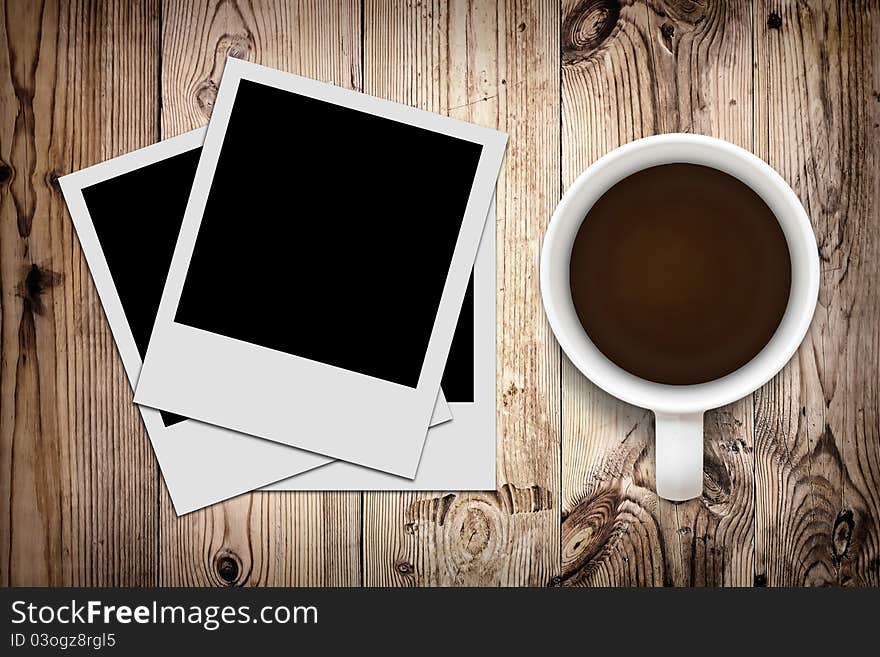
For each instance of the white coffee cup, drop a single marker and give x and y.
(679, 409)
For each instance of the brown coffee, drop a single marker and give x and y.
(680, 274)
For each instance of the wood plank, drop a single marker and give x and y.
(628, 73)
(496, 64)
(279, 538)
(817, 78)
(78, 86)
(611, 531)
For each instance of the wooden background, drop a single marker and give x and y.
(792, 472)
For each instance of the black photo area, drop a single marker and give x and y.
(458, 377)
(137, 217)
(328, 233)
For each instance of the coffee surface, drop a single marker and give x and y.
(680, 274)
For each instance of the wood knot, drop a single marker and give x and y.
(841, 535)
(760, 579)
(5, 172)
(475, 525)
(404, 567)
(236, 45)
(691, 12)
(52, 180)
(774, 21)
(667, 33)
(586, 27)
(228, 567)
(206, 95)
(36, 281)
(716, 481)
(589, 528)
(475, 531)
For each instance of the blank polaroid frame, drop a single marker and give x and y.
(128, 260)
(459, 455)
(253, 295)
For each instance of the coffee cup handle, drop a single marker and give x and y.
(679, 455)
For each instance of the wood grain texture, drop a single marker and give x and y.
(276, 539)
(495, 64)
(629, 72)
(817, 79)
(611, 532)
(792, 473)
(78, 84)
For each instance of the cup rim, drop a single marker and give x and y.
(595, 181)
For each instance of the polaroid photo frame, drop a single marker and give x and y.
(459, 455)
(323, 259)
(127, 229)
